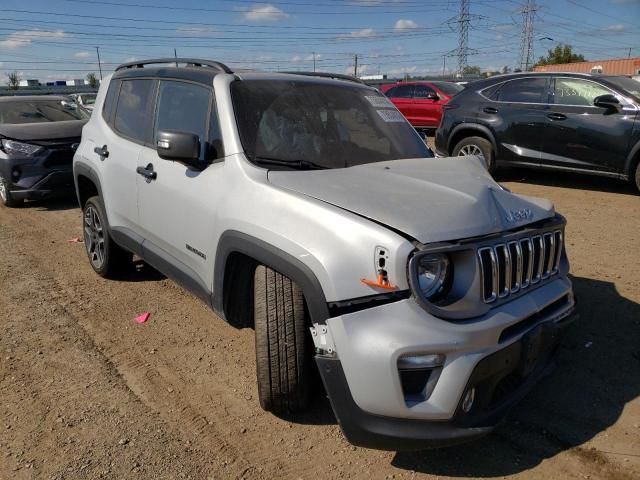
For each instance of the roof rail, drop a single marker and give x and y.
(337, 76)
(191, 62)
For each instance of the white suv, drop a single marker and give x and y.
(306, 206)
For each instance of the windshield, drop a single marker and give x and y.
(39, 111)
(449, 88)
(320, 125)
(628, 85)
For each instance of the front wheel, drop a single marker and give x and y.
(105, 256)
(477, 146)
(283, 352)
(5, 195)
(637, 177)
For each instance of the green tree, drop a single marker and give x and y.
(93, 81)
(14, 80)
(471, 70)
(506, 69)
(561, 54)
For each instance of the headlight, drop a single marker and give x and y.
(433, 270)
(11, 147)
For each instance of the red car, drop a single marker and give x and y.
(421, 102)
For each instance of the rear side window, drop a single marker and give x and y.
(422, 91)
(132, 119)
(401, 91)
(110, 100)
(183, 107)
(526, 90)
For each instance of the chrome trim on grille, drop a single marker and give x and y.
(515, 265)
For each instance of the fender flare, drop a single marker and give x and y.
(473, 126)
(233, 241)
(81, 168)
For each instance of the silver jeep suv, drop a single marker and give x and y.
(307, 207)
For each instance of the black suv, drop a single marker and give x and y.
(564, 121)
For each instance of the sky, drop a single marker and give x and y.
(57, 39)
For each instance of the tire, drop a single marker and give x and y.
(283, 351)
(5, 195)
(476, 146)
(105, 256)
(637, 177)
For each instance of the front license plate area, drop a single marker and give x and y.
(536, 347)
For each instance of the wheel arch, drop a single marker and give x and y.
(86, 182)
(469, 130)
(633, 159)
(236, 258)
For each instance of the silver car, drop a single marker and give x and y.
(305, 206)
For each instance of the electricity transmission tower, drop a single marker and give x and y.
(463, 35)
(526, 43)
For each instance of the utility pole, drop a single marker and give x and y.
(314, 60)
(99, 63)
(463, 35)
(629, 55)
(355, 66)
(444, 64)
(526, 43)
(175, 55)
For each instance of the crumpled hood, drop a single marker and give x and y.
(42, 130)
(429, 199)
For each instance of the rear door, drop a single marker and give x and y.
(128, 112)
(427, 106)
(402, 97)
(582, 135)
(177, 207)
(518, 116)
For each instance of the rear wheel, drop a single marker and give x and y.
(637, 177)
(106, 257)
(282, 350)
(5, 195)
(478, 146)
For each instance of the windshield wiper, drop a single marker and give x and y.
(303, 164)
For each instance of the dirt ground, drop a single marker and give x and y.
(86, 393)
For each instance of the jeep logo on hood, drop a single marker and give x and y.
(514, 216)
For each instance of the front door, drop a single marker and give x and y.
(582, 135)
(427, 106)
(177, 206)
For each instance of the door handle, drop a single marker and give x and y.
(490, 110)
(147, 172)
(102, 152)
(557, 116)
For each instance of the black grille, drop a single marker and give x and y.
(59, 157)
(508, 267)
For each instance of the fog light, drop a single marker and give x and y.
(467, 400)
(15, 174)
(419, 362)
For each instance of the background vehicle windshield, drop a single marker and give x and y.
(628, 85)
(449, 88)
(38, 111)
(331, 125)
(88, 99)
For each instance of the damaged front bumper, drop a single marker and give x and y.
(489, 365)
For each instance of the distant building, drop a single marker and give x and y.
(617, 66)
(75, 82)
(365, 78)
(29, 83)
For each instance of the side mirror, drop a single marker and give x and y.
(181, 146)
(608, 101)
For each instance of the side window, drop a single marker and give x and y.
(183, 107)
(131, 118)
(574, 91)
(110, 100)
(401, 91)
(526, 90)
(422, 91)
(492, 92)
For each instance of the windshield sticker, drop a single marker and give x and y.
(379, 101)
(391, 116)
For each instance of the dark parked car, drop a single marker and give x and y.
(565, 121)
(421, 102)
(38, 136)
